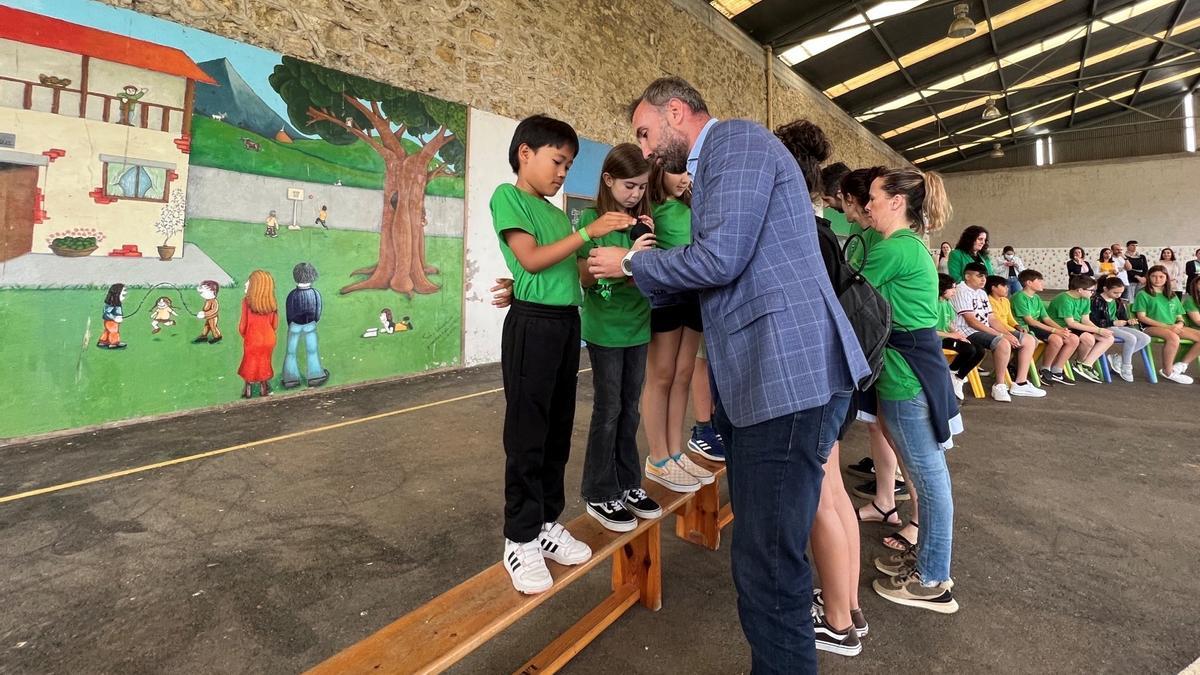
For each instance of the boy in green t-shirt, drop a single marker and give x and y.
(1030, 312)
(1073, 309)
(539, 348)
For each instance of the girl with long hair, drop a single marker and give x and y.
(260, 316)
(1161, 315)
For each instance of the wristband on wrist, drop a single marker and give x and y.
(583, 234)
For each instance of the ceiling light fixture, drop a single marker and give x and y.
(997, 151)
(962, 26)
(990, 111)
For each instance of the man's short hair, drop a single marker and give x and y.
(993, 281)
(831, 178)
(975, 267)
(1027, 276)
(304, 273)
(666, 88)
(1131, 242)
(1111, 282)
(1080, 281)
(539, 131)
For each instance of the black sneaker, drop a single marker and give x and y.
(861, 627)
(612, 515)
(844, 642)
(867, 490)
(865, 468)
(1047, 377)
(1060, 378)
(641, 505)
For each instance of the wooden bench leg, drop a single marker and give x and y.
(639, 563)
(699, 521)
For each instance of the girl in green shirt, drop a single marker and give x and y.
(616, 327)
(1161, 315)
(972, 247)
(1191, 303)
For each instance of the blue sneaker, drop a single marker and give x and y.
(706, 442)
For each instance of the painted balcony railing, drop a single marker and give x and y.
(64, 100)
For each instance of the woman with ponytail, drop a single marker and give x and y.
(916, 398)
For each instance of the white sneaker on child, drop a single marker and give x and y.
(1179, 368)
(957, 383)
(1116, 362)
(526, 567)
(1177, 377)
(1126, 373)
(559, 546)
(1000, 393)
(1027, 389)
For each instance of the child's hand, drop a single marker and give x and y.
(1104, 332)
(502, 293)
(957, 335)
(1178, 328)
(1013, 340)
(647, 220)
(644, 242)
(609, 222)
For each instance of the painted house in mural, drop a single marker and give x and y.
(93, 134)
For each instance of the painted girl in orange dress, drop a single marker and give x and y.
(260, 315)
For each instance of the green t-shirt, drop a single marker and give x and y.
(672, 224)
(1028, 305)
(959, 260)
(623, 318)
(1189, 305)
(1163, 308)
(857, 251)
(900, 268)
(946, 315)
(1064, 305)
(515, 209)
(837, 222)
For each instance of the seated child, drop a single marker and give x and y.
(967, 355)
(1031, 314)
(1109, 312)
(1073, 309)
(984, 330)
(997, 290)
(1161, 315)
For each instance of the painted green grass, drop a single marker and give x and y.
(54, 380)
(219, 145)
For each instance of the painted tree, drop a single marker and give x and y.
(343, 109)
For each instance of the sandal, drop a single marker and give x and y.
(885, 517)
(904, 545)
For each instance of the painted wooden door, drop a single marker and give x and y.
(17, 194)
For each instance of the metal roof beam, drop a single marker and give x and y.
(1087, 43)
(1163, 40)
(1158, 51)
(987, 16)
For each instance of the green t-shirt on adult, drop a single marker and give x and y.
(837, 222)
(1189, 306)
(1028, 305)
(621, 320)
(1064, 305)
(900, 268)
(960, 259)
(515, 209)
(856, 251)
(672, 224)
(1163, 307)
(946, 315)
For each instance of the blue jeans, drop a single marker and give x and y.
(774, 473)
(909, 424)
(291, 370)
(1014, 286)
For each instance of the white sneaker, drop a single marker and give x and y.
(701, 474)
(559, 546)
(1116, 362)
(1000, 393)
(957, 383)
(1177, 377)
(672, 475)
(526, 566)
(1179, 368)
(1126, 373)
(1027, 389)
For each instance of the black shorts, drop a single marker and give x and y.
(674, 317)
(1039, 333)
(1076, 331)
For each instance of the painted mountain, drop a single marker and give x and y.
(237, 101)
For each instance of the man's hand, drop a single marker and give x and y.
(502, 293)
(605, 262)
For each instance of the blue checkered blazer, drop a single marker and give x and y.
(777, 337)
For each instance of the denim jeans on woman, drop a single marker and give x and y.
(611, 464)
(774, 469)
(1132, 341)
(910, 426)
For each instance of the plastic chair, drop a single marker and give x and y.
(972, 378)
(1148, 355)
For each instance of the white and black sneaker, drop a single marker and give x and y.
(612, 515)
(558, 545)
(842, 642)
(1060, 378)
(526, 566)
(641, 505)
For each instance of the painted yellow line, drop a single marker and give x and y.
(243, 446)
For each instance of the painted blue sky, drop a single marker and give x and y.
(253, 63)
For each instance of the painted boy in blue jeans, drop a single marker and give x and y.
(303, 312)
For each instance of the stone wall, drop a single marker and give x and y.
(581, 60)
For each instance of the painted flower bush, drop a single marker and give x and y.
(77, 239)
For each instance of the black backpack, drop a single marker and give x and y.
(870, 315)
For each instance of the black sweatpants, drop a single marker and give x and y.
(968, 356)
(539, 356)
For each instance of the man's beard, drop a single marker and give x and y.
(672, 153)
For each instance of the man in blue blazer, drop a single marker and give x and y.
(783, 356)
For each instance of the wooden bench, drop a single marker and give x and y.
(440, 633)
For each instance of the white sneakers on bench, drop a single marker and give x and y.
(526, 563)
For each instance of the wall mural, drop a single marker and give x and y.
(187, 220)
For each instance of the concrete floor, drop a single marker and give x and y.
(1077, 536)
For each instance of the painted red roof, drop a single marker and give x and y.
(43, 31)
